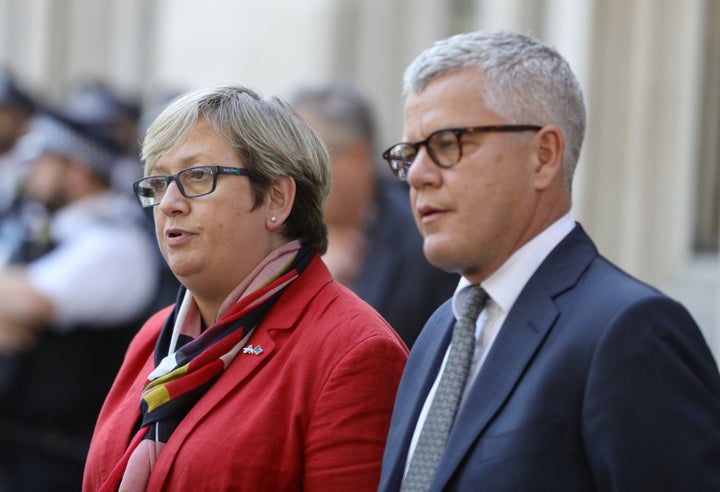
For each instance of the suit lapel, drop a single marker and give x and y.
(419, 375)
(521, 336)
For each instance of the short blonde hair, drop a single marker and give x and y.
(270, 139)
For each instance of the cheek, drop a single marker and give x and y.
(334, 203)
(43, 179)
(159, 222)
(413, 202)
(346, 184)
(234, 226)
(6, 123)
(225, 231)
(511, 179)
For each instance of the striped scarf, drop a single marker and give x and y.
(186, 366)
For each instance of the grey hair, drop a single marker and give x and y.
(345, 114)
(270, 139)
(525, 81)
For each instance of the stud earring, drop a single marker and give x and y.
(273, 219)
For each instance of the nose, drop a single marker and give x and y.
(423, 171)
(173, 201)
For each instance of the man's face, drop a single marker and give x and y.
(473, 215)
(47, 182)
(12, 126)
(353, 180)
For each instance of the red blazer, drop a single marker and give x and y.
(311, 412)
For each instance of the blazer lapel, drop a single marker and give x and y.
(282, 317)
(521, 336)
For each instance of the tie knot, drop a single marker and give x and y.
(474, 302)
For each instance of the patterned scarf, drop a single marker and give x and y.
(187, 363)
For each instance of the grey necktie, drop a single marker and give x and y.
(436, 429)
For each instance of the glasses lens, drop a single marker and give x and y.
(150, 190)
(197, 181)
(444, 147)
(399, 158)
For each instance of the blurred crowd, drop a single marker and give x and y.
(79, 273)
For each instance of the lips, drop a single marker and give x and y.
(176, 236)
(427, 213)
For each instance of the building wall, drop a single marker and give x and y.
(642, 185)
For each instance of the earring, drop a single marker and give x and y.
(273, 219)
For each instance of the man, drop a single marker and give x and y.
(580, 378)
(115, 117)
(16, 111)
(70, 300)
(374, 247)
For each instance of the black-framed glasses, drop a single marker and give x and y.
(443, 146)
(192, 183)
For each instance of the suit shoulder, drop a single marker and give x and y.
(616, 283)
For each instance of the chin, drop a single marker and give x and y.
(183, 267)
(439, 253)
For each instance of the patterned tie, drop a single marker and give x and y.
(436, 429)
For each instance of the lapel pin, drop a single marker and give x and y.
(256, 350)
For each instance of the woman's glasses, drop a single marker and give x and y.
(192, 183)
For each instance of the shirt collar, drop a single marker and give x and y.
(504, 286)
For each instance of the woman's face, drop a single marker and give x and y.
(212, 242)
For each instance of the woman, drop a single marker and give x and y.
(265, 374)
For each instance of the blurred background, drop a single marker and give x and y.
(648, 183)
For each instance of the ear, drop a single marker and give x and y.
(549, 144)
(280, 200)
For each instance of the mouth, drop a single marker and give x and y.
(175, 236)
(427, 213)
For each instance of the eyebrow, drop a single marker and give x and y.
(188, 162)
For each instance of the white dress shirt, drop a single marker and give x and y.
(503, 287)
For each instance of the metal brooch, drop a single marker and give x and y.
(256, 350)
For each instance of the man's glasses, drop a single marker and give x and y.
(443, 146)
(192, 183)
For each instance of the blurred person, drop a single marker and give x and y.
(69, 305)
(117, 118)
(374, 247)
(266, 374)
(574, 376)
(20, 218)
(17, 108)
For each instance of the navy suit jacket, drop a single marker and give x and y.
(596, 381)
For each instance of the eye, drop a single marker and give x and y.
(155, 184)
(445, 141)
(197, 174)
